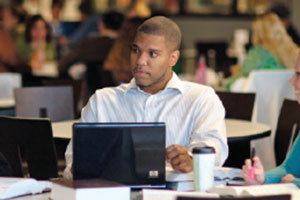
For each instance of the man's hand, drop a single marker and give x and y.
(179, 158)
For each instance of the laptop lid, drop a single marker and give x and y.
(129, 153)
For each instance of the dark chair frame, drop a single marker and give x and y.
(33, 139)
(288, 117)
(237, 106)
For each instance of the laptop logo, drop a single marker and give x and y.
(153, 174)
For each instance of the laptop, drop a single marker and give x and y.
(129, 153)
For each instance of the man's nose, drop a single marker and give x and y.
(142, 59)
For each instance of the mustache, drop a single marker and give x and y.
(140, 69)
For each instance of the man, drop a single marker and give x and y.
(94, 49)
(193, 113)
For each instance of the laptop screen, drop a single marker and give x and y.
(129, 153)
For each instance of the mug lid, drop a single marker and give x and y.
(204, 149)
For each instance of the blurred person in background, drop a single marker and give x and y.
(57, 27)
(55, 23)
(138, 8)
(10, 61)
(289, 170)
(272, 48)
(88, 26)
(13, 20)
(36, 47)
(118, 60)
(93, 52)
(283, 12)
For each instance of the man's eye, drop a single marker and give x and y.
(153, 54)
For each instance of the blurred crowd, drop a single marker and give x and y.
(78, 50)
(96, 49)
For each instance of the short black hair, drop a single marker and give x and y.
(58, 3)
(113, 20)
(30, 24)
(162, 26)
(86, 7)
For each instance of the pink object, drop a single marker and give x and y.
(251, 173)
(201, 70)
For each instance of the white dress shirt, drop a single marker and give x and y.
(193, 113)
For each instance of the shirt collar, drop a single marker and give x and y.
(174, 83)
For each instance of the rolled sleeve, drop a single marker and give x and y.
(209, 126)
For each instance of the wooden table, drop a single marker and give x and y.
(236, 129)
(7, 106)
(245, 130)
(7, 103)
(239, 134)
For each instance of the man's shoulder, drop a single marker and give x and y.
(196, 89)
(113, 91)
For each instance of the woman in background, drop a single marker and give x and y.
(36, 48)
(272, 48)
(289, 170)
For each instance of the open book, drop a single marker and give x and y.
(228, 175)
(220, 173)
(154, 194)
(13, 187)
(255, 190)
(185, 181)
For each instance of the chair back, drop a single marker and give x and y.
(272, 197)
(55, 103)
(288, 127)
(237, 105)
(33, 139)
(8, 82)
(76, 85)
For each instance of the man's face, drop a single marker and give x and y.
(152, 62)
(295, 80)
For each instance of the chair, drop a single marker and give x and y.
(271, 88)
(237, 106)
(55, 103)
(78, 94)
(272, 197)
(33, 139)
(8, 82)
(288, 127)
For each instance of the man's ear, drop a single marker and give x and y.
(174, 58)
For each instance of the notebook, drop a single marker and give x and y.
(129, 153)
